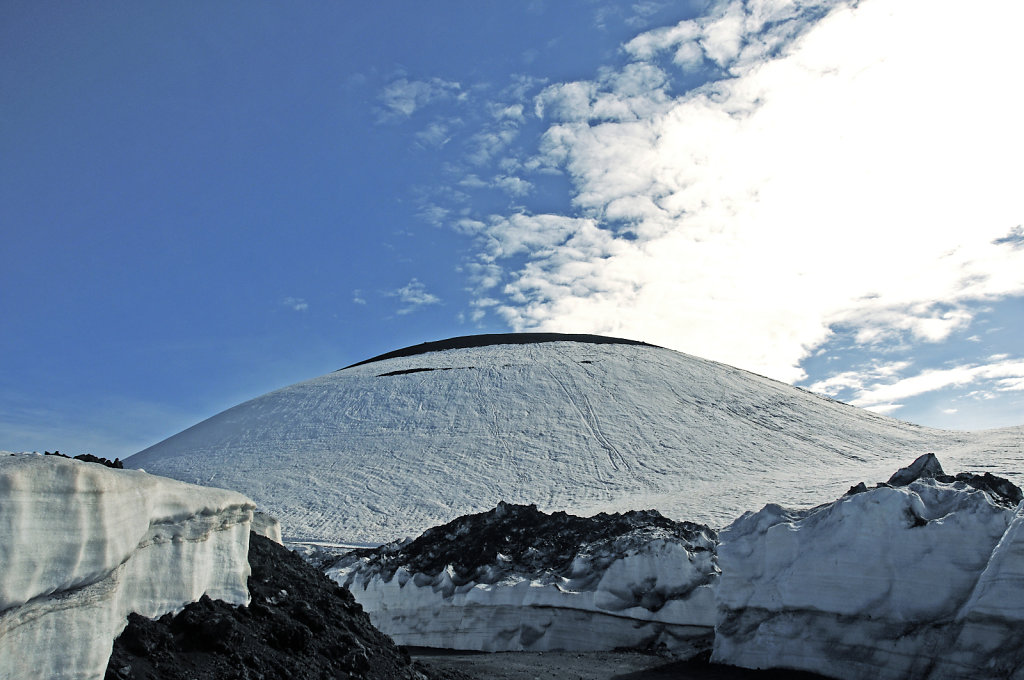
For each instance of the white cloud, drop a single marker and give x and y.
(644, 11)
(435, 135)
(865, 175)
(508, 112)
(491, 142)
(295, 304)
(1014, 239)
(648, 45)
(539, 235)
(413, 296)
(483, 276)
(513, 186)
(403, 97)
(734, 35)
(880, 390)
(633, 93)
(1001, 376)
(856, 380)
(510, 184)
(885, 409)
(434, 214)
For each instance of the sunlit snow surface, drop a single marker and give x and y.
(387, 449)
(82, 545)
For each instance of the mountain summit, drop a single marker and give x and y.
(388, 447)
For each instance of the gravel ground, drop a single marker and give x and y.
(589, 666)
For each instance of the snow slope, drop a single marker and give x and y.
(385, 449)
(516, 579)
(922, 578)
(82, 545)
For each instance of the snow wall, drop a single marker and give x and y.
(82, 546)
(922, 580)
(517, 579)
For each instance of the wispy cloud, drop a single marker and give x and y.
(882, 388)
(413, 296)
(1015, 238)
(295, 304)
(835, 175)
(402, 97)
(435, 135)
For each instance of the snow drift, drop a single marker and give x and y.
(82, 546)
(515, 579)
(385, 449)
(920, 577)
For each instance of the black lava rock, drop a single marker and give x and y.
(524, 540)
(300, 624)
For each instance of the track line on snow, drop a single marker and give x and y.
(589, 418)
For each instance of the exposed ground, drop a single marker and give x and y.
(590, 666)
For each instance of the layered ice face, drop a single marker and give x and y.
(82, 545)
(920, 577)
(518, 579)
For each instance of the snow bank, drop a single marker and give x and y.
(924, 580)
(516, 579)
(82, 545)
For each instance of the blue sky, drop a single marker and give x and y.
(202, 202)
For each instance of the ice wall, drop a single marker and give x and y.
(546, 582)
(82, 545)
(917, 581)
(519, 614)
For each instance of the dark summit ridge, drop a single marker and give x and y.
(484, 340)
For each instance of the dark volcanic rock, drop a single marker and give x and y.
(1001, 490)
(524, 540)
(926, 466)
(300, 624)
(89, 458)
(485, 339)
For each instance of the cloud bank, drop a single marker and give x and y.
(882, 390)
(849, 165)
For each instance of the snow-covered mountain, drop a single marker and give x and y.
(386, 448)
